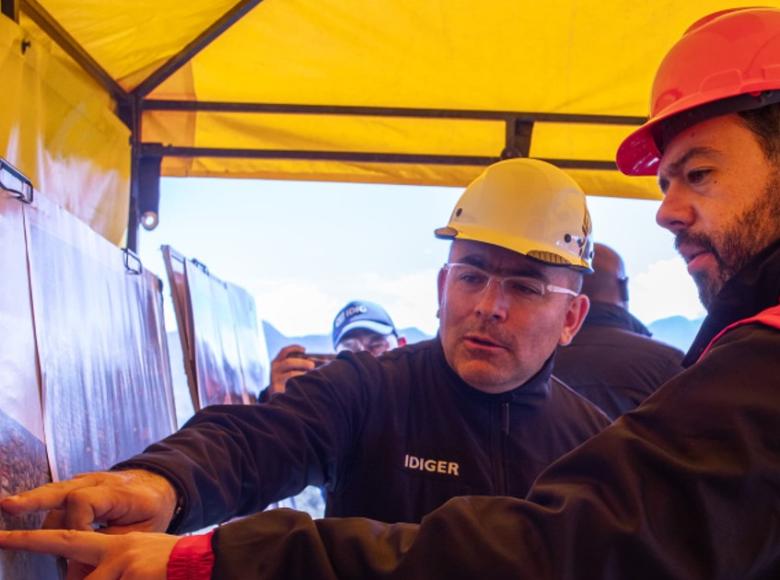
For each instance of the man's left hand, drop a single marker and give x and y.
(133, 556)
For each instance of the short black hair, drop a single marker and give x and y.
(760, 114)
(574, 278)
(764, 123)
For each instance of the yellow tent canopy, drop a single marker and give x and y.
(386, 91)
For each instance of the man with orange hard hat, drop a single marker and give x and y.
(685, 487)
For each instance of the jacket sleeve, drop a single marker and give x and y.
(231, 460)
(684, 488)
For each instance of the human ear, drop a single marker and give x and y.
(441, 280)
(576, 313)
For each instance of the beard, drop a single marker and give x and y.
(734, 246)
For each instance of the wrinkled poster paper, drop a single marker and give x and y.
(217, 361)
(252, 348)
(23, 463)
(186, 395)
(226, 357)
(102, 346)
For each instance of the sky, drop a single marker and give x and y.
(304, 249)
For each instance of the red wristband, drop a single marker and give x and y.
(191, 558)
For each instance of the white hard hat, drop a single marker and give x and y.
(528, 206)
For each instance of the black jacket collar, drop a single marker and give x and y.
(613, 316)
(753, 289)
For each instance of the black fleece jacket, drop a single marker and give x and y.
(390, 438)
(613, 362)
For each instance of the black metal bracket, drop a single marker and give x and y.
(132, 262)
(518, 138)
(205, 269)
(15, 182)
(200, 265)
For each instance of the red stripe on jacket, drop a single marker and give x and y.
(769, 317)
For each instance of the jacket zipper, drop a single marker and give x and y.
(501, 460)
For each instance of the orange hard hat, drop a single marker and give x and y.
(726, 62)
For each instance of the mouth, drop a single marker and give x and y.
(696, 258)
(482, 342)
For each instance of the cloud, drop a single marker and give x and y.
(664, 289)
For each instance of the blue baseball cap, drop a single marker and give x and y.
(361, 314)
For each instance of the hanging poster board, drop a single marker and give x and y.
(217, 360)
(225, 355)
(23, 462)
(101, 343)
(185, 395)
(252, 348)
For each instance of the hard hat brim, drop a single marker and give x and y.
(517, 244)
(639, 153)
(378, 327)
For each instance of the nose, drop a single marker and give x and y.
(493, 302)
(357, 346)
(676, 212)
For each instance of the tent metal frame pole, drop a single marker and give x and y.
(470, 114)
(153, 150)
(518, 130)
(239, 10)
(10, 8)
(133, 117)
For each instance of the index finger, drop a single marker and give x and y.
(86, 547)
(289, 350)
(302, 365)
(46, 497)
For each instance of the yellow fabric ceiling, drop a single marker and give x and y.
(559, 56)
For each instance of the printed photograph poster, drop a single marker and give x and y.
(148, 391)
(251, 343)
(182, 347)
(23, 462)
(105, 382)
(217, 360)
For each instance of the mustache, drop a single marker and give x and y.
(492, 333)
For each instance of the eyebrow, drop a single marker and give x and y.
(675, 168)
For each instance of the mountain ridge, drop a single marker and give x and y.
(677, 331)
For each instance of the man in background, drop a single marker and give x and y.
(360, 326)
(612, 361)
